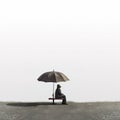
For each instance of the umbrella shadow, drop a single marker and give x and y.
(30, 104)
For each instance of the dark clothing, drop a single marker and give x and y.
(59, 94)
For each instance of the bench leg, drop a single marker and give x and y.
(53, 101)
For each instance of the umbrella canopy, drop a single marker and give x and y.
(53, 76)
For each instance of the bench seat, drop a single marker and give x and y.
(55, 98)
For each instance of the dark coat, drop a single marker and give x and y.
(58, 93)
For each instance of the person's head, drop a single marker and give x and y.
(58, 86)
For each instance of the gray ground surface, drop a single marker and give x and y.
(72, 111)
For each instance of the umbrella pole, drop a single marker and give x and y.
(53, 93)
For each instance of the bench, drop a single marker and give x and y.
(53, 99)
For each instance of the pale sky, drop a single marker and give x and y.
(80, 38)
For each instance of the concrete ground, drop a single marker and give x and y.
(72, 111)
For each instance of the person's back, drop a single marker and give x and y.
(58, 93)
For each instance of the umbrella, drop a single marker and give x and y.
(53, 76)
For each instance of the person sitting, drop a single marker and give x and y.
(59, 94)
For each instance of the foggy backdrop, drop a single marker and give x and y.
(76, 37)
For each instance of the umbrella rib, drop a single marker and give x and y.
(63, 77)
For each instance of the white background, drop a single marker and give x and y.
(80, 38)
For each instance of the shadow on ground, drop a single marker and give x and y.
(29, 104)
